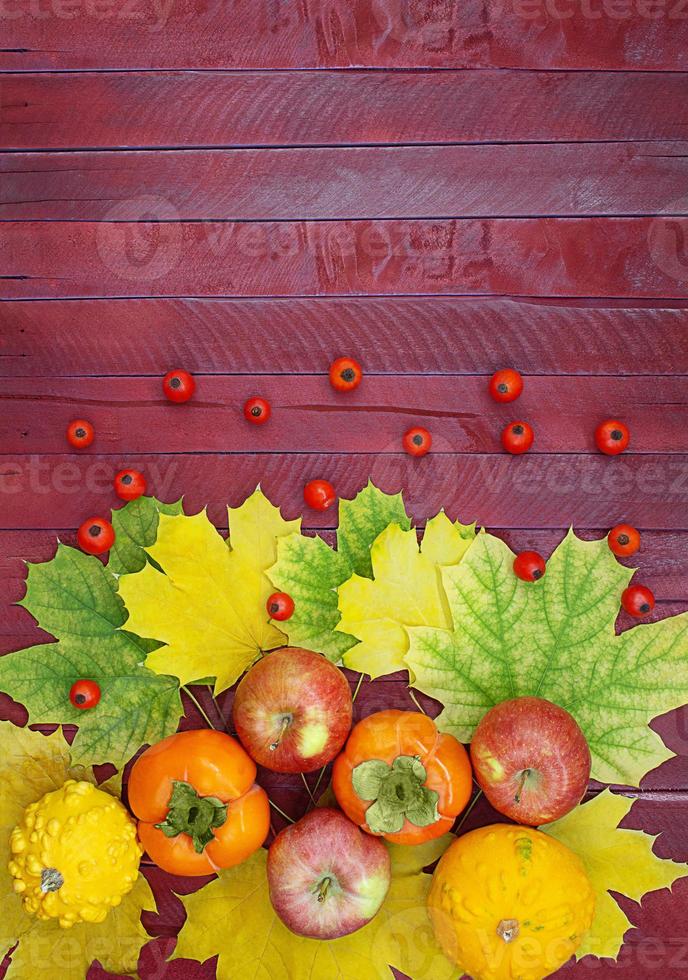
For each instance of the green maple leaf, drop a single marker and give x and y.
(311, 572)
(555, 639)
(136, 527)
(75, 598)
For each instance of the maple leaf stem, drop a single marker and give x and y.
(217, 707)
(308, 789)
(467, 812)
(416, 701)
(281, 812)
(192, 697)
(358, 687)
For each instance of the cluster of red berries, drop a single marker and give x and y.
(611, 436)
(623, 541)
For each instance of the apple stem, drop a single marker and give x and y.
(286, 722)
(524, 777)
(324, 888)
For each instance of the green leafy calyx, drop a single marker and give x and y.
(194, 815)
(398, 793)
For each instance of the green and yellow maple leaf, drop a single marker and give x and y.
(30, 766)
(136, 528)
(406, 591)
(204, 597)
(75, 598)
(311, 572)
(252, 942)
(617, 860)
(555, 639)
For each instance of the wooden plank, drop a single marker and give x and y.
(338, 34)
(511, 180)
(183, 109)
(132, 414)
(651, 491)
(404, 335)
(632, 257)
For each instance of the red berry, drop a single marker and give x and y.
(623, 540)
(637, 600)
(345, 374)
(95, 536)
(80, 433)
(178, 386)
(517, 438)
(130, 484)
(612, 437)
(84, 694)
(280, 606)
(506, 386)
(530, 566)
(319, 494)
(257, 410)
(417, 441)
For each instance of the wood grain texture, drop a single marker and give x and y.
(569, 180)
(651, 491)
(623, 257)
(185, 109)
(402, 335)
(147, 34)
(133, 415)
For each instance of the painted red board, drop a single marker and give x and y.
(402, 335)
(184, 109)
(633, 257)
(651, 491)
(133, 415)
(510, 180)
(634, 34)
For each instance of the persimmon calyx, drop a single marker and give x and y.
(194, 815)
(398, 793)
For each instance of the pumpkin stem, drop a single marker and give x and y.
(508, 930)
(51, 880)
(194, 815)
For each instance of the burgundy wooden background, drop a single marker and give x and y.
(248, 188)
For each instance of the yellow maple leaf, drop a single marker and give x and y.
(233, 917)
(406, 591)
(208, 603)
(616, 859)
(30, 766)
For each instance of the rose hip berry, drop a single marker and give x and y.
(80, 433)
(638, 600)
(345, 374)
(506, 386)
(612, 437)
(280, 606)
(95, 536)
(84, 694)
(319, 494)
(417, 441)
(517, 438)
(178, 386)
(130, 484)
(623, 540)
(257, 411)
(529, 566)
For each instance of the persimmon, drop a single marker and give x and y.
(400, 778)
(198, 805)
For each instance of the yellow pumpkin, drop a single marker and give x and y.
(74, 855)
(510, 903)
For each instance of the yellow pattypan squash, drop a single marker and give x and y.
(74, 854)
(510, 903)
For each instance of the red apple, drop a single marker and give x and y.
(292, 711)
(531, 760)
(327, 877)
